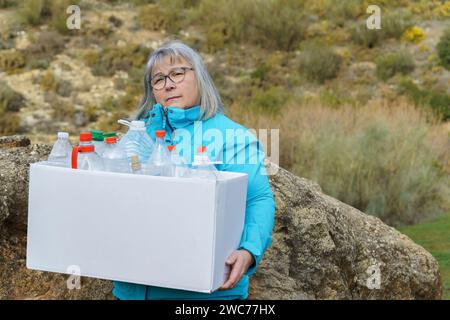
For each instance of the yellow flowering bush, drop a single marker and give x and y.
(414, 34)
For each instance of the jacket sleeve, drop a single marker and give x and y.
(248, 157)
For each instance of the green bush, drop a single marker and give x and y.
(10, 104)
(43, 48)
(164, 15)
(443, 49)
(11, 61)
(59, 16)
(7, 3)
(319, 62)
(269, 100)
(400, 62)
(34, 12)
(393, 25)
(111, 59)
(437, 101)
(10, 101)
(271, 24)
(37, 12)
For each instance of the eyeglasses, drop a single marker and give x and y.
(176, 76)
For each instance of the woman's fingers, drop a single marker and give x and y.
(232, 258)
(235, 274)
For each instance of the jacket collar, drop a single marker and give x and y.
(177, 117)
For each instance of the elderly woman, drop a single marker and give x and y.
(181, 97)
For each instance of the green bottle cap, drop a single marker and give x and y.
(97, 135)
(110, 134)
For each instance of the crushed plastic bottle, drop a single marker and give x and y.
(203, 167)
(114, 157)
(159, 163)
(136, 140)
(60, 155)
(84, 156)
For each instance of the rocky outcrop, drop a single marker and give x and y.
(322, 248)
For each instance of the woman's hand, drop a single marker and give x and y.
(239, 262)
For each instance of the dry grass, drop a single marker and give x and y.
(389, 160)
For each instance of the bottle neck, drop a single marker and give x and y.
(160, 141)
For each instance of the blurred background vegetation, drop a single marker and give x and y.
(365, 113)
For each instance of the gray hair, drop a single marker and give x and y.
(210, 101)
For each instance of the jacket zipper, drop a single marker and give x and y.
(168, 123)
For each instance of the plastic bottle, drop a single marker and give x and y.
(61, 152)
(98, 141)
(179, 166)
(114, 158)
(84, 156)
(136, 140)
(159, 163)
(202, 166)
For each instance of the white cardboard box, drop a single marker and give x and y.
(168, 232)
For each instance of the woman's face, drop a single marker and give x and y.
(184, 94)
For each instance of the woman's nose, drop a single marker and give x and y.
(170, 85)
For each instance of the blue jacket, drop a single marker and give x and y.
(242, 154)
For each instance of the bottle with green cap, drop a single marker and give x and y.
(98, 141)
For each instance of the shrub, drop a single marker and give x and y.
(110, 59)
(34, 12)
(43, 48)
(7, 3)
(269, 100)
(393, 25)
(59, 16)
(11, 61)
(414, 34)
(390, 64)
(443, 49)
(437, 101)
(10, 101)
(382, 160)
(165, 15)
(319, 62)
(10, 104)
(271, 24)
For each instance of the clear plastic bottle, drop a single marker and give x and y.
(179, 166)
(84, 156)
(202, 166)
(114, 157)
(137, 141)
(98, 141)
(61, 152)
(159, 163)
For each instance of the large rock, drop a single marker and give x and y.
(322, 248)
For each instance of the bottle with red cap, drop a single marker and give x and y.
(84, 156)
(114, 157)
(179, 166)
(159, 163)
(202, 166)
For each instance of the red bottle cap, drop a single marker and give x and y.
(171, 148)
(160, 133)
(86, 136)
(201, 149)
(111, 140)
